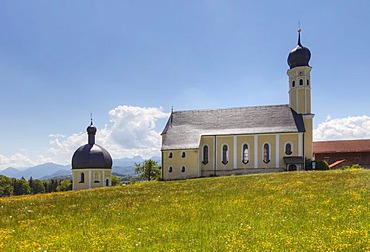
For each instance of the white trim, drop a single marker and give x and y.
(300, 144)
(235, 152)
(90, 178)
(277, 146)
(256, 151)
(215, 153)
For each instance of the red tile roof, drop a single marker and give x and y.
(341, 146)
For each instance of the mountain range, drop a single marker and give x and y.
(123, 166)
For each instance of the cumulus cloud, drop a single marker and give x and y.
(357, 127)
(19, 160)
(129, 132)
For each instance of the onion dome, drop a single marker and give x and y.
(91, 155)
(300, 55)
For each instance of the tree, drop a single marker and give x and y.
(6, 186)
(21, 187)
(37, 186)
(65, 185)
(148, 170)
(115, 181)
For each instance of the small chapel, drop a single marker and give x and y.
(91, 164)
(259, 139)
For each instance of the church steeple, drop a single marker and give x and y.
(299, 73)
(299, 78)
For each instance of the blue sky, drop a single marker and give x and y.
(129, 62)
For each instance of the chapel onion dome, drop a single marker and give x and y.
(299, 56)
(91, 155)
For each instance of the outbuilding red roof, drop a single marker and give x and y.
(342, 146)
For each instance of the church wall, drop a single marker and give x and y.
(241, 140)
(75, 179)
(177, 162)
(301, 97)
(221, 141)
(207, 140)
(270, 139)
(308, 137)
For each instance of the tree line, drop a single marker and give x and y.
(13, 186)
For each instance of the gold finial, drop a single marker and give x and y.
(299, 26)
(299, 30)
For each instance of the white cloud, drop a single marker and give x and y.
(357, 127)
(19, 160)
(130, 132)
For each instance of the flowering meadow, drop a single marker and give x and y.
(296, 211)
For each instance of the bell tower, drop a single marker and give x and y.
(299, 74)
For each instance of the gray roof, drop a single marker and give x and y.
(185, 128)
(91, 156)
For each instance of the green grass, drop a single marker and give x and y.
(298, 211)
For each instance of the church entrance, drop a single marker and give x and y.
(107, 182)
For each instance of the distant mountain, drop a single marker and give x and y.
(35, 172)
(10, 172)
(58, 174)
(123, 166)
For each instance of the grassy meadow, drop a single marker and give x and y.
(297, 211)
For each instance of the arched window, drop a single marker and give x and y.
(301, 82)
(170, 169)
(225, 154)
(308, 82)
(288, 149)
(170, 155)
(293, 84)
(266, 153)
(245, 153)
(205, 154)
(183, 154)
(183, 168)
(96, 177)
(81, 177)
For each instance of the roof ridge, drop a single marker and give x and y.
(231, 108)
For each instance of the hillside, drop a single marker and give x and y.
(298, 211)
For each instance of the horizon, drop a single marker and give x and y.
(130, 63)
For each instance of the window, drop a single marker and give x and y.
(170, 169)
(170, 155)
(96, 177)
(225, 154)
(293, 84)
(183, 154)
(81, 177)
(301, 82)
(288, 149)
(205, 154)
(183, 168)
(308, 82)
(245, 154)
(266, 153)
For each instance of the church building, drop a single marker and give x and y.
(199, 143)
(91, 164)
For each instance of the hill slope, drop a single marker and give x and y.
(301, 211)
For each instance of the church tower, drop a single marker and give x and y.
(300, 90)
(91, 164)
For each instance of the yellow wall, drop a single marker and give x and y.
(241, 140)
(90, 180)
(308, 136)
(207, 140)
(221, 140)
(190, 161)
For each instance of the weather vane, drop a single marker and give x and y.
(91, 118)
